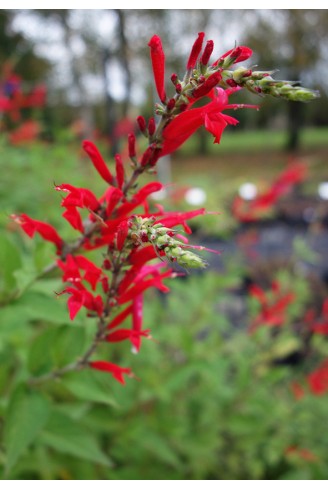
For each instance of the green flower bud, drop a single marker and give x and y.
(191, 260)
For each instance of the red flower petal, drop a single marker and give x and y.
(158, 62)
(195, 51)
(116, 371)
(98, 161)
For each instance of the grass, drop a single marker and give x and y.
(235, 140)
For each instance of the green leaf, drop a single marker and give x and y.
(10, 260)
(68, 344)
(70, 437)
(40, 360)
(27, 414)
(90, 385)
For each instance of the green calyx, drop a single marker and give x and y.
(163, 240)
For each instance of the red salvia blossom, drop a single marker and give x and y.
(82, 297)
(208, 50)
(72, 266)
(119, 171)
(27, 132)
(207, 86)
(238, 54)
(97, 161)
(248, 211)
(32, 226)
(195, 51)
(318, 379)
(318, 325)
(158, 62)
(273, 306)
(210, 116)
(116, 371)
(302, 453)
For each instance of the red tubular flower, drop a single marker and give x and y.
(32, 226)
(119, 171)
(137, 316)
(147, 156)
(137, 273)
(112, 196)
(240, 53)
(151, 126)
(210, 115)
(207, 86)
(207, 52)
(81, 297)
(195, 51)
(116, 371)
(302, 453)
(132, 144)
(321, 326)
(158, 62)
(120, 317)
(127, 334)
(138, 198)
(79, 197)
(142, 123)
(143, 255)
(142, 286)
(74, 218)
(318, 379)
(98, 161)
(273, 309)
(252, 210)
(71, 268)
(122, 233)
(297, 390)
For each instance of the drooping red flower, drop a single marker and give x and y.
(32, 226)
(72, 267)
(158, 62)
(240, 53)
(79, 197)
(320, 325)
(274, 305)
(120, 317)
(27, 132)
(82, 297)
(318, 379)
(210, 116)
(135, 333)
(142, 286)
(297, 390)
(302, 453)
(116, 371)
(248, 211)
(138, 198)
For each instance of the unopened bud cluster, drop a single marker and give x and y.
(261, 82)
(143, 230)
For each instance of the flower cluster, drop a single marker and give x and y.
(130, 233)
(247, 211)
(13, 100)
(273, 306)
